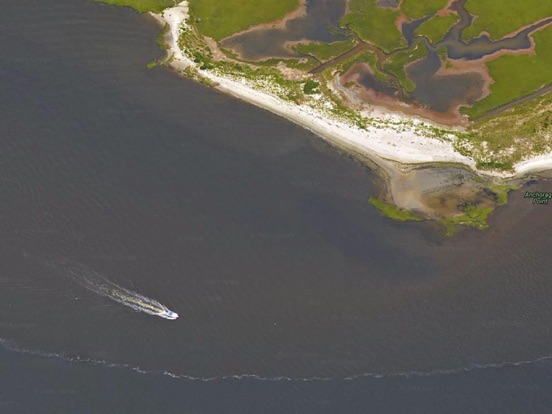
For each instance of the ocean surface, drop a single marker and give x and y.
(294, 294)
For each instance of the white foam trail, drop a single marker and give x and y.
(12, 346)
(92, 280)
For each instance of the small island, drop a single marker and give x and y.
(450, 101)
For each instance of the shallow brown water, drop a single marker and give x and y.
(321, 23)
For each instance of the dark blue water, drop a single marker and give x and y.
(253, 230)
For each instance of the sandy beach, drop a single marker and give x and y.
(402, 145)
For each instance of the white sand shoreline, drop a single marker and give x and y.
(403, 146)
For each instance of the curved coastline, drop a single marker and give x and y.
(402, 147)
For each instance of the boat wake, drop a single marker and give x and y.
(10, 345)
(92, 280)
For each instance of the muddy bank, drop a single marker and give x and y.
(315, 20)
(370, 98)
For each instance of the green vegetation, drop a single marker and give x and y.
(396, 64)
(204, 61)
(291, 91)
(500, 18)
(142, 6)
(497, 143)
(301, 64)
(219, 19)
(517, 75)
(325, 51)
(437, 27)
(194, 46)
(501, 192)
(305, 64)
(265, 76)
(501, 141)
(341, 111)
(366, 56)
(495, 165)
(311, 87)
(393, 212)
(473, 217)
(442, 52)
(161, 37)
(416, 9)
(374, 24)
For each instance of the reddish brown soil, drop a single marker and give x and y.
(300, 11)
(365, 97)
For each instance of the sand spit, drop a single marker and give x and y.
(400, 144)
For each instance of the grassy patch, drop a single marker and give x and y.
(193, 45)
(473, 216)
(393, 212)
(517, 75)
(437, 27)
(339, 110)
(501, 141)
(374, 24)
(500, 18)
(365, 56)
(501, 192)
(142, 6)
(161, 37)
(264, 78)
(495, 165)
(304, 65)
(442, 52)
(396, 64)
(219, 19)
(325, 51)
(311, 87)
(267, 78)
(416, 9)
